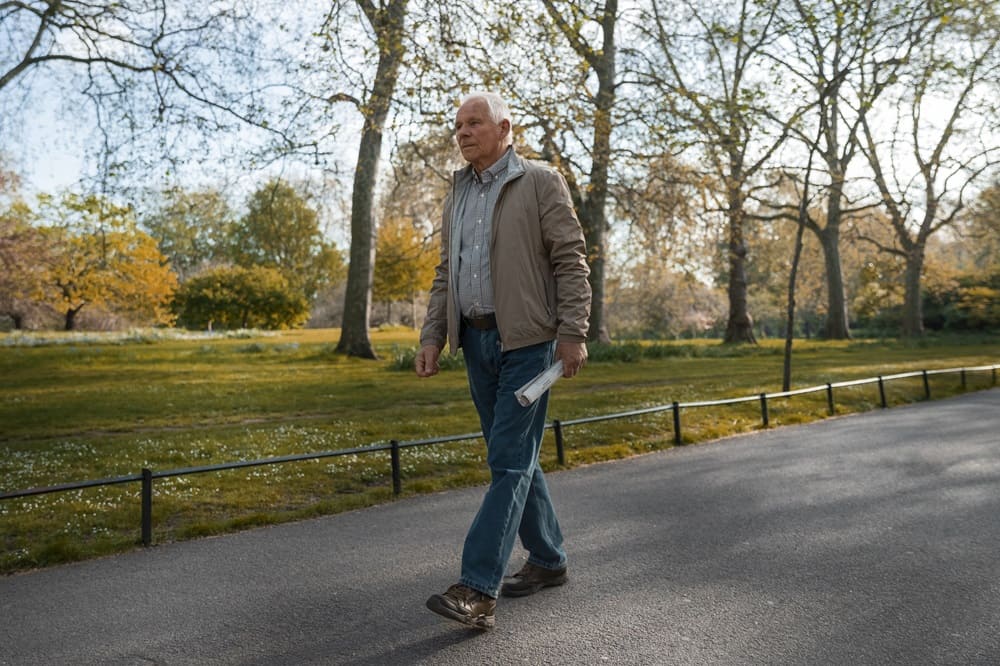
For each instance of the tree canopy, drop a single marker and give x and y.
(690, 135)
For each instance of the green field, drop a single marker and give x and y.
(74, 408)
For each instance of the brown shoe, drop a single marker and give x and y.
(465, 605)
(530, 579)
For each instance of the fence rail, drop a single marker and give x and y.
(147, 476)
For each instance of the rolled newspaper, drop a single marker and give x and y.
(534, 389)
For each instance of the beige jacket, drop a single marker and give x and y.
(538, 262)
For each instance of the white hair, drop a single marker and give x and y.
(498, 109)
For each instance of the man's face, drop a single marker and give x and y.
(481, 140)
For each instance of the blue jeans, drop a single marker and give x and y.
(517, 502)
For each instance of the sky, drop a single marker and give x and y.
(44, 142)
(48, 128)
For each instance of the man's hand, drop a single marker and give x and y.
(427, 361)
(573, 355)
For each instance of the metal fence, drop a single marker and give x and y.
(146, 476)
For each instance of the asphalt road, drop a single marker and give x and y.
(867, 539)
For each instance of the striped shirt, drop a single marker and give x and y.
(475, 207)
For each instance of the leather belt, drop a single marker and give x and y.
(485, 323)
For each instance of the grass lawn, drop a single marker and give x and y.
(79, 407)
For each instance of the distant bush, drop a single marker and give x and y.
(403, 359)
(238, 298)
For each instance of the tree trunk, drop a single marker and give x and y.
(913, 306)
(591, 201)
(740, 325)
(70, 323)
(595, 230)
(354, 339)
(388, 24)
(836, 327)
(803, 219)
(739, 328)
(786, 375)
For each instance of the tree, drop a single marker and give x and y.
(659, 199)
(24, 255)
(386, 21)
(405, 261)
(707, 64)
(844, 53)
(281, 230)
(559, 70)
(191, 228)
(651, 301)
(113, 35)
(978, 231)
(955, 71)
(233, 297)
(153, 71)
(600, 57)
(102, 259)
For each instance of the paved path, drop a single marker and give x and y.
(868, 539)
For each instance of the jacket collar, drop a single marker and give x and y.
(515, 169)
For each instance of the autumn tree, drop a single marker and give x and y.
(977, 231)
(659, 204)
(945, 125)
(409, 214)
(708, 67)
(102, 259)
(24, 254)
(405, 261)
(842, 56)
(651, 300)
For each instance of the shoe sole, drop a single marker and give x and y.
(477, 622)
(510, 591)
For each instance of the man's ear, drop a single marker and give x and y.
(504, 128)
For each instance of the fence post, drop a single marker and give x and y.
(881, 391)
(147, 507)
(829, 398)
(927, 387)
(677, 423)
(963, 379)
(560, 453)
(397, 482)
(763, 409)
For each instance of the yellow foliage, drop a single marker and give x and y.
(404, 260)
(101, 258)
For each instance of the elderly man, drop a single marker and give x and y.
(511, 290)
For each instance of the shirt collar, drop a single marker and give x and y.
(495, 170)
